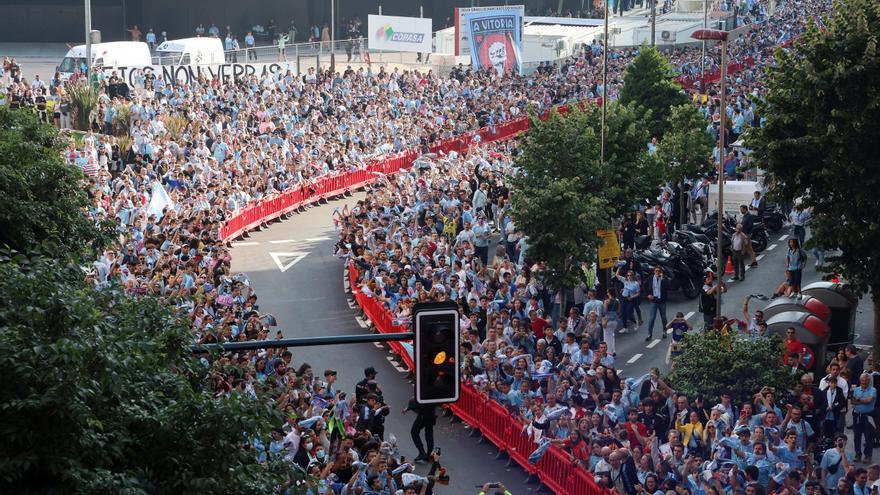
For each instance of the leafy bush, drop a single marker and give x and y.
(712, 362)
(84, 101)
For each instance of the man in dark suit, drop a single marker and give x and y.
(830, 404)
(372, 416)
(658, 291)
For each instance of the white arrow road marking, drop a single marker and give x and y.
(287, 260)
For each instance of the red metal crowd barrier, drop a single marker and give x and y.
(556, 470)
(494, 423)
(519, 445)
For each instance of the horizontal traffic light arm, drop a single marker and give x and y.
(302, 342)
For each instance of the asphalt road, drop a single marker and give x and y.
(298, 279)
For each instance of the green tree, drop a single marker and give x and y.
(43, 197)
(686, 148)
(712, 362)
(822, 119)
(649, 84)
(101, 394)
(563, 194)
(553, 201)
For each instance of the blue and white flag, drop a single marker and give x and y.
(159, 200)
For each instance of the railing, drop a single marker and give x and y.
(556, 469)
(273, 207)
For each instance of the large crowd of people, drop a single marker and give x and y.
(170, 162)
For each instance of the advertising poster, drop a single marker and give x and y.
(496, 40)
(399, 34)
(462, 31)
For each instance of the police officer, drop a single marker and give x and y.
(426, 417)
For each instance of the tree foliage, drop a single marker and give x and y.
(712, 362)
(649, 85)
(102, 395)
(563, 194)
(43, 197)
(822, 120)
(686, 149)
(553, 201)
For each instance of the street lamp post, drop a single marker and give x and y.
(604, 85)
(703, 57)
(88, 13)
(717, 35)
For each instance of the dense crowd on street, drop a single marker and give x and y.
(193, 154)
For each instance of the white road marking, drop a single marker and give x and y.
(784, 237)
(247, 243)
(653, 343)
(282, 241)
(352, 305)
(688, 316)
(731, 280)
(361, 322)
(771, 247)
(316, 239)
(760, 257)
(634, 359)
(377, 344)
(289, 259)
(398, 367)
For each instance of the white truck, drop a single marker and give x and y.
(108, 55)
(190, 51)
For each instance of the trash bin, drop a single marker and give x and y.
(809, 329)
(804, 304)
(842, 304)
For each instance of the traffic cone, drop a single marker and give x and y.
(729, 268)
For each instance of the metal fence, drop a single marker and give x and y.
(354, 52)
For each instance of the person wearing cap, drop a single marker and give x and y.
(360, 389)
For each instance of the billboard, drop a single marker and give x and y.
(399, 34)
(495, 39)
(462, 30)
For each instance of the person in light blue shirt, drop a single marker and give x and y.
(835, 462)
(628, 296)
(864, 399)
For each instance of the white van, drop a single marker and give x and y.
(190, 51)
(106, 55)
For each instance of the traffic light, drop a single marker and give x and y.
(436, 352)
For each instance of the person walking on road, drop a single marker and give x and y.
(426, 417)
(794, 269)
(748, 226)
(798, 218)
(659, 291)
(628, 297)
(738, 242)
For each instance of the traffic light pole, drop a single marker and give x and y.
(302, 342)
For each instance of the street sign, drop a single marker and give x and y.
(609, 250)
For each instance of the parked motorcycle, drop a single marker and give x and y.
(773, 218)
(683, 267)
